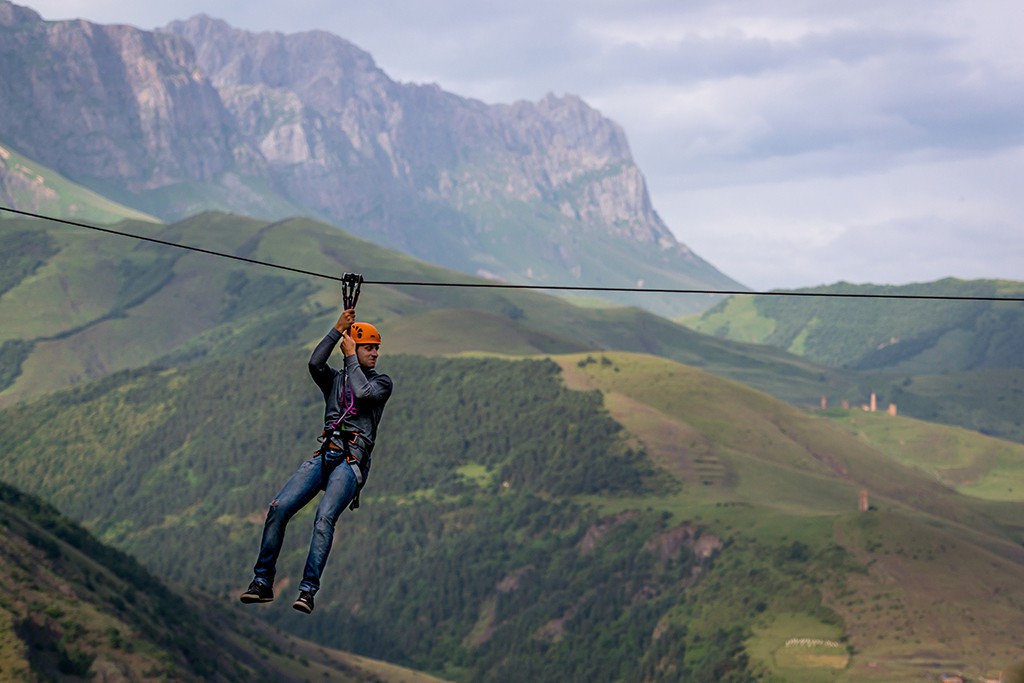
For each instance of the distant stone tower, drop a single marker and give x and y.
(892, 409)
(874, 402)
(824, 402)
(863, 507)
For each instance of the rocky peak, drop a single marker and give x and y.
(110, 102)
(294, 93)
(566, 123)
(573, 152)
(321, 68)
(14, 15)
(271, 124)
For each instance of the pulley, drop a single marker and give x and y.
(350, 284)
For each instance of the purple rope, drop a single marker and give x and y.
(350, 404)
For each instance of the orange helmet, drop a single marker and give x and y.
(365, 333)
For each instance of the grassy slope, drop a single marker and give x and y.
(75, 608)
(34, 187)
(756, 465)
(968, 462)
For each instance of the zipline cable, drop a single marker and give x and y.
(166, 243)
(503, 285)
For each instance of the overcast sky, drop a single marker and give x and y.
(789, 142)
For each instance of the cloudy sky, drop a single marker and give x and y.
(789, 142)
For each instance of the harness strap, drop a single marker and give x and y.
(350, 459)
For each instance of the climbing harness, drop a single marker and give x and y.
(331, 457)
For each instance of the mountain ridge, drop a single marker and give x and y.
(277, 125)
(893, 336)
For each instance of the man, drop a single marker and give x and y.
(354, 398)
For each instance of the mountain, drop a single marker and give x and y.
(76, 609)
(609, 516)
(897, 336)
(640, 492)
(202, 116)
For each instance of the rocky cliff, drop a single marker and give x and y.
(109, 103)
(203, 115)
(314, 98)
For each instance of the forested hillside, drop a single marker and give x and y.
(910, 337)
(954, 362)
(513, 527)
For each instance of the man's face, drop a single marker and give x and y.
(367, 354)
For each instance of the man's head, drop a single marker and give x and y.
(367, 340)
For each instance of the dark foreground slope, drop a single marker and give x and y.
(76, 609)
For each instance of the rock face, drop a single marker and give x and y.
(203, 115)
(109, 103)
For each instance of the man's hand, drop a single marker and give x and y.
(348, 344)
(348, 316)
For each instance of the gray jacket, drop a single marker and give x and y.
(356, 393)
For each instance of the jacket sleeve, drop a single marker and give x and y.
(377, 389)
(319, 370)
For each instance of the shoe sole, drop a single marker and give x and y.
(300, 606)
(249, 599)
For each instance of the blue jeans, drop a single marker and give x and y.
(303, 486)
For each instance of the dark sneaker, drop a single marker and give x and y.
(257, 592)
(304, 603)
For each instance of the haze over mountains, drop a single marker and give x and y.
(203, 116)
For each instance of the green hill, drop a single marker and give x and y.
(900, 336)
(79, 305)
(75, 609)
(31, 186)
(955, 362)
(598, 516)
